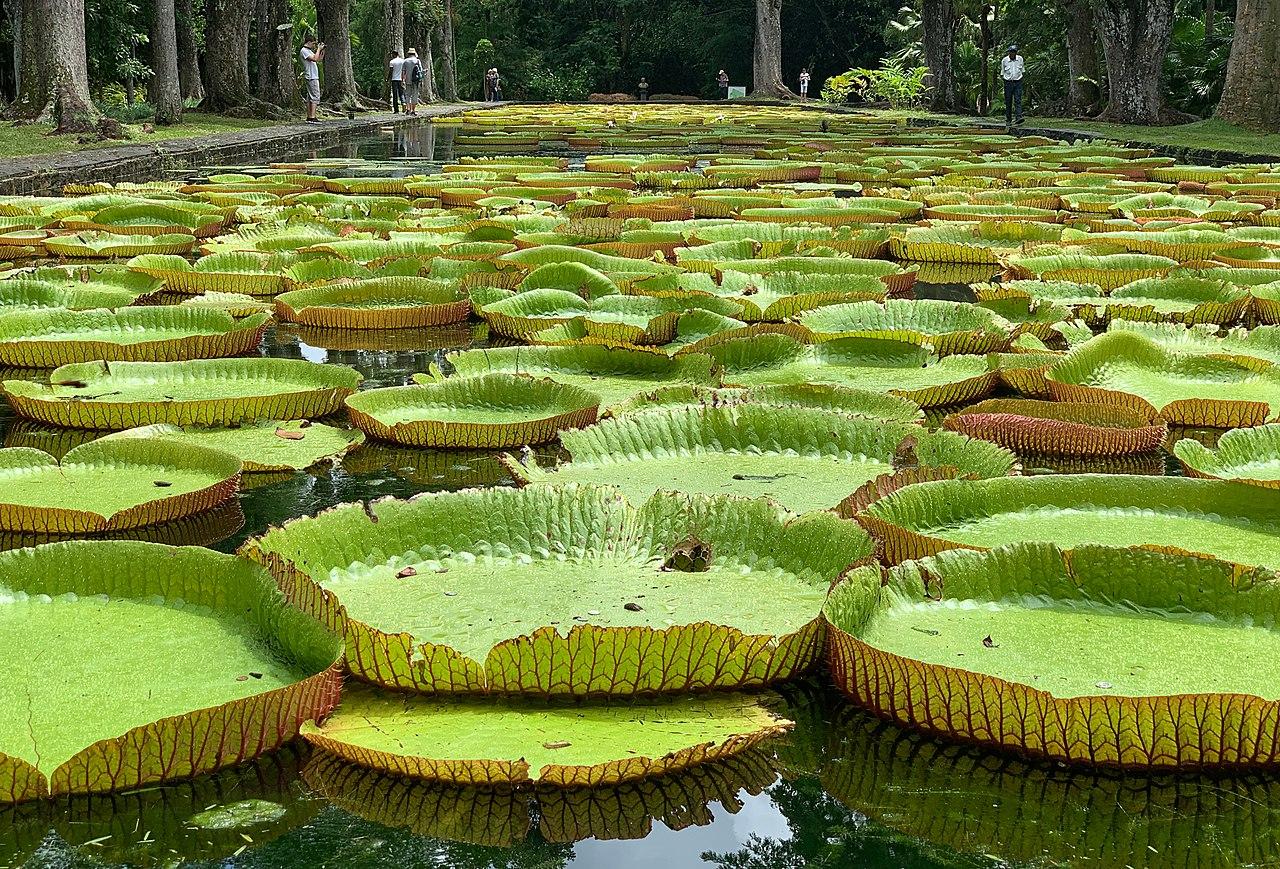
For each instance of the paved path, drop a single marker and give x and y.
(46, 174)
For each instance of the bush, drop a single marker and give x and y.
(543, 84)
(895, 84)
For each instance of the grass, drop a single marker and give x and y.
(1211, 134)
(35, 139)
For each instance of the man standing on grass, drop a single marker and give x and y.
(397, 86)
(312, 54)
(722, 84)
(1012, 66)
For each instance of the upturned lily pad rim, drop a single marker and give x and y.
(1182, 730)
(197, 740)
(1236, 456)
(589, 660)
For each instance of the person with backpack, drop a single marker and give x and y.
(411, 76)
(397, 86)
(722, 84)
(497, 86)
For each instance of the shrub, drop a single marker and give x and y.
(898, 85)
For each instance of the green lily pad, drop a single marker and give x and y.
(947, 327)
(49, 338)
(822, 396)
(614, 374)
(513, 742)
(203, 392)
(1147, 667)
(1127, 369)
(803, 458)
(1249, 455)
(263, 446)
(492, 411)
(1225, 520)
(110, 486)
(377, 303)
(896, 367)
(565, 590)
(151, 710)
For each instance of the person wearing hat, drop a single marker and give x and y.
(411, 76)
(1012, 67)
(722, 83)
(312, 54)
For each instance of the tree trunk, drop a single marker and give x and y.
(766, 61)
(938, 25)
(1082, 59)
(166, 93)
(393, 28)
(1210, 13)
(188, 52)
(427, 91)
(1135, 38)
(55, 73)
(448, 82)
(276, 82)
(226, 54)
(1251, 96)
(31, 72)
(333, 18)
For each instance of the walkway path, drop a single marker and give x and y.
(46, 174)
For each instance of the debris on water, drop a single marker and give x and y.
(930, 631)
(1102, 684)
(632, 606)
(288, 435)
(563, 744)
(990, 643)
(406, 572)
(162, 484)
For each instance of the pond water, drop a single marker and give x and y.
(841, 791)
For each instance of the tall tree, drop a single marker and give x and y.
(55, 69)
(1082, 58)
(165, 91)
(938, 24)
(273, 37)
(766, 66)
(333, 19)
(226, 54)
(1251, 96)
(393, 30)
(1135, 38)
(188, 52)
(448, 80)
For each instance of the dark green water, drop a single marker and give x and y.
(841, 791)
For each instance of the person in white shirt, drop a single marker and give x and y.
(804, 84)
(1012, 67)
(411, 75)
(311, 54)
(397, 86)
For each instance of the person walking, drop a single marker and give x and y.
(1012, 68)
(312, 54)
(411, 80)
(722, 83)
(397, 86)
(643, 89)
(488, 85)
(804, 84)
(497, 86)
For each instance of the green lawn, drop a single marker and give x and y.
(35, 138)
(1211, 134)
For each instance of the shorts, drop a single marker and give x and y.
(313, 90)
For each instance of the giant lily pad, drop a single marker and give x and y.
(614, 374)
(106, 245)
(263, 446)
(1249, 455)
(1147, 667)
(204, 392)
(948, 327)
(565, 590)
(23, 293)
(898, 367)
(1107, 271)
(492, 411)
(620, 319)
(170, 663)
(251, 272)
(1225, 520)
(1059, 427)
(102, 487)
(824, 396)
(1127, 369)
(49, 338)
(805, 459)
(494, 741)
(378, 303)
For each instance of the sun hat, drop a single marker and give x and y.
(412, 51)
